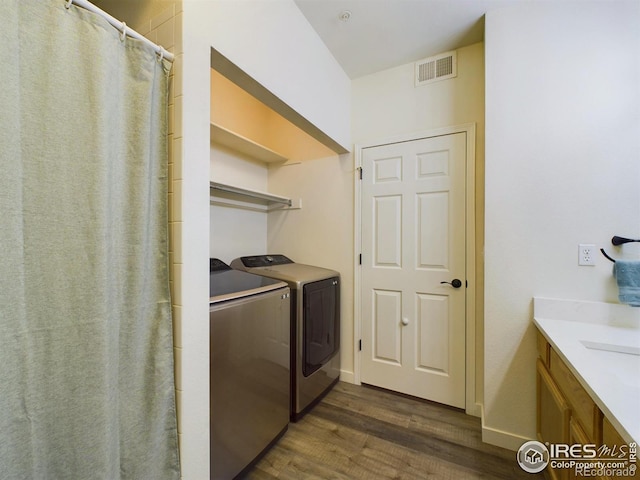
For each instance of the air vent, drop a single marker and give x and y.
(436, 68)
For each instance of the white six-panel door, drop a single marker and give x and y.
(413, 239)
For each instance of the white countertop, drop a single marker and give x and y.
(611, 378)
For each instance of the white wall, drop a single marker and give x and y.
(562, 168)
(386, 104)
(273, 43)
(236, 231)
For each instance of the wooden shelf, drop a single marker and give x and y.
(234, 141)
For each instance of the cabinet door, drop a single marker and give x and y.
(543, 348)
(583, 408)
(578, 436)
(611, 437)
(552, 419)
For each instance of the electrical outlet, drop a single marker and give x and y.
(586, 254)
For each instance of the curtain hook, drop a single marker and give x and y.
(68, 4)
(160, 53)
(123, 34)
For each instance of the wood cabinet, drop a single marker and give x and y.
(553, 414)
(583, 408)
(576, 435)
(610, 436)
(566, 414)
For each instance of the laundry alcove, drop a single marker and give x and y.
(252, 134)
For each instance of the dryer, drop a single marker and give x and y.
(249, 354)
(315, 325)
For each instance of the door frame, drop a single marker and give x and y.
(472, 406)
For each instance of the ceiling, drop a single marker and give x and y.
(381, 34)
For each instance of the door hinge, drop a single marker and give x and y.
(360, 259)
(359, 345)
(360, 172)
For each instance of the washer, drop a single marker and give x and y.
(249, 335)
(315, 325)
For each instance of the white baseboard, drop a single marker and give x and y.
(500, 438)
(503, 439)
(346, 376)
(474, 410)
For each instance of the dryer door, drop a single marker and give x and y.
(321, 323)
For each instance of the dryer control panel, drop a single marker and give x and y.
(264, 260)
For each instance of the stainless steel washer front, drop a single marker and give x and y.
(249, 318)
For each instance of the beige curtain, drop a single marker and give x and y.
(86, 363)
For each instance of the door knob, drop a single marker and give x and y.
(455, 283)
(405, 321)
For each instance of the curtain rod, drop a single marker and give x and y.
(121, 26)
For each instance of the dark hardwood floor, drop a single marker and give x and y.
(359, 432)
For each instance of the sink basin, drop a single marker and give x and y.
(610, 347)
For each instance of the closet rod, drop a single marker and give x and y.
(120, 26)
(250, 193)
